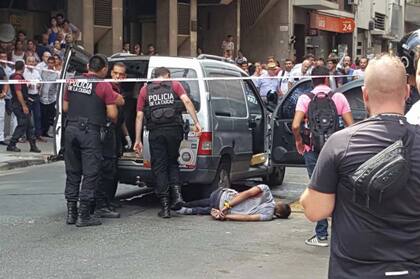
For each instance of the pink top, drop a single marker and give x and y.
(339, 100)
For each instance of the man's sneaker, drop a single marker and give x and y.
(315, 241)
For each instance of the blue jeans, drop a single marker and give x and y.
(321, 228)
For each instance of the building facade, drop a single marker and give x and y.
(260, 28)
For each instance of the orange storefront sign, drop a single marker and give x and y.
(332, 24)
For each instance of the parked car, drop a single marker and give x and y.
(236, 125)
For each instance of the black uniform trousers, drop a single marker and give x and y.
(108, 181)
(83, 158)
(164, 151)
(24, 126)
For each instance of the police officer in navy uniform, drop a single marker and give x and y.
(112, 150)
(161, 104)
(88, 104)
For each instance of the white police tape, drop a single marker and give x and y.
(145, 80)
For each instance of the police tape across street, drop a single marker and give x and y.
(145, 80)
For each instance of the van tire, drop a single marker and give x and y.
(276, 177)
(222, 178)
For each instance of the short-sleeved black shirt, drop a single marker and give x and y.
(370, 243)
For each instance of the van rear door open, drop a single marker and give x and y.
(74, 63)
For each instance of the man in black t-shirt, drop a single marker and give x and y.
(381, 240)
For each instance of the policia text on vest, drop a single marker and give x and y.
(158, 102)
(88, 106)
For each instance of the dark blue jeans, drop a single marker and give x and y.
(321, 228)
(35, 109)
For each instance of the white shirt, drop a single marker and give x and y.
(284, 80)
(359, 73)
(42, 66)
(413, 116)
(9, 71)
(49, 90)
(296, 74)
(31, 75)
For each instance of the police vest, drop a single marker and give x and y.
(163, 107)
(24, 89)
(84, 103)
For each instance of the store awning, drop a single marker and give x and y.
(331, 23)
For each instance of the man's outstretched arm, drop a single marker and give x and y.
(242, 218)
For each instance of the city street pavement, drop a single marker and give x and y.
(36, 243)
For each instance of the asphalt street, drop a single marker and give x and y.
(36, 243)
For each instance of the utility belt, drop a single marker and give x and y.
(84, 125)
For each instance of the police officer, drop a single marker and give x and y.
(407, 48)
(161, 103)
(20, 107)
(88, 104)
(112, 149)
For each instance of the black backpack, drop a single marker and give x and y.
(322, 117)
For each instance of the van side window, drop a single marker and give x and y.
(253, 104)
(227, 97)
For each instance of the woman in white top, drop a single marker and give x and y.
(18, 53)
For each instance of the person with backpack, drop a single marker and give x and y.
(368, 180)
(318, 115)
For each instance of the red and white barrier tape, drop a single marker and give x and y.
(144, 80)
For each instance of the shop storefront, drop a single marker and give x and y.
(329, 33)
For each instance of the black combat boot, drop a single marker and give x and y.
(34, 148)
(165, 211)
(176, 197)
(103, 210)
(84, 219)
(71, 212)
(12, 147)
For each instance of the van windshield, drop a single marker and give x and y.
(191, 86)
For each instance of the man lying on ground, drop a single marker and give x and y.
(254, 204)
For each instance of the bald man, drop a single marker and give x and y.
(373, 236)
(300, 71)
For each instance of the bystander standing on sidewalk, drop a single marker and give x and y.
(4, 88)
(360, 73)
(44, 64)
(48, 97)
(31, 73)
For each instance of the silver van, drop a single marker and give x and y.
(235, 143)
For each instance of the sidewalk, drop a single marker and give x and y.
(12, 160)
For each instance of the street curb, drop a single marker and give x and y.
(23, 163)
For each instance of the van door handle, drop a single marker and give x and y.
(222, 113)
(252, 123)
